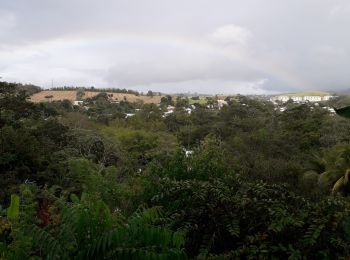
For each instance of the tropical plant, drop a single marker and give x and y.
(342, 185)
(88, 230)
(235, 219)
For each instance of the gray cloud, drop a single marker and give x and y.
(207, 46)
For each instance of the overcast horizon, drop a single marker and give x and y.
(209, 47)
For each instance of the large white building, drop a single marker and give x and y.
(299, 99)
(313, 98)
(326, 98)
(281, 98)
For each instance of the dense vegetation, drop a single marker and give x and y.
(84, 182)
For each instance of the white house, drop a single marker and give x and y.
(78, 103)
(188, 153)
(127, 115)
(282, 109)
(281, 98)
(326, 98)
(297, 99)
(313, 98)
(330, 110)
(188, 110)
(168, 113)
(222, 103)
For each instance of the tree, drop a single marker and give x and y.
(49, 97)
(88, 230)
(182, 102)
(167, 101)
(80, 94)
(235, 219)
(150, 93)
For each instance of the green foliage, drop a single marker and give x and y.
(309, 179)
(344, 112)
(182, 102)
(13, 209)
(246, 181)
(342, 185)
(80, 94)
(89, 231)
(142, 146)
(167, 101)
(205, 163)
(237, 219)
(84, 173)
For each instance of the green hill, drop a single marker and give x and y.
(308, 93)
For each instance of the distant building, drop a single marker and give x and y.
(127, 115)
(326, 98)
(300, 99)
(78, 103)
(282, 109)
(113, 101)
(168, 113)
(313, 98)
(188, 153)
(297, 99)
(281, 98)
(330, 110)
(188, 110)
(222, 103)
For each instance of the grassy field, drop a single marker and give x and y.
(71, 96)
(307, 93)
(202, 101)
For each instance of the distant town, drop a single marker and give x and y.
(188, 102)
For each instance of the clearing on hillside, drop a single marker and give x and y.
(71, 95)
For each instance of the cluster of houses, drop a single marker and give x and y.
(300, 99)
(171, 109)
(278, 101)
(329, 109)
(306, 99)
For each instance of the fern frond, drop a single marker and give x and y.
(47, 243)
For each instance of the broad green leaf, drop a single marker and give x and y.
(13, 210)
(344, 112)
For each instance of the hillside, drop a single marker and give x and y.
(343, 91)
(308, 93)
(71, 96)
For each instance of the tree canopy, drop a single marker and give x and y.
(245, 181)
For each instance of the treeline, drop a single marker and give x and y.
(242, 182)
(29, 89)
(112, 90)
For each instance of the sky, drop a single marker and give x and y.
(204, 46)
